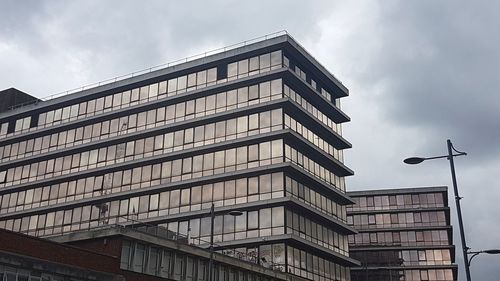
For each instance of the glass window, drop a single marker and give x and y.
(276, 58)
(265, 183)
(276, 87)
(265, 61)
(265, 218)
(139, 258)
(196, 195)
(253, 220)
(191, 80)
(241, 223)
(212, 75)
(265, 89)
(253, 122)
(201, 77)
(172, 85)
(253, 185)
(254, 64)
(264, 150)
(181, 82)
(174, 198)
(253, 92)
(232, 69)
(229, 189)
(242, 66)
(242, 95)
(253, 152)
(200, 105)
(208, 161)
(232, 97)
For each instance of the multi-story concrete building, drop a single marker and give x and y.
(404, 234)
(256, 128)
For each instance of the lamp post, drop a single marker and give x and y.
(451, 150)
(234, 213)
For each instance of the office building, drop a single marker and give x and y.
(404, 234)
(256, 128)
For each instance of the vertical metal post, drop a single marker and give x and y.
(366, 272)
(211, 261)
(366, 267)
(465, 249)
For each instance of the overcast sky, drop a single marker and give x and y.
(418, 72)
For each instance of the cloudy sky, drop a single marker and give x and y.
(419, 72)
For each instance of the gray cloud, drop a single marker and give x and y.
(88, 41)
(445, 62)
(426, 71)
(418, 72)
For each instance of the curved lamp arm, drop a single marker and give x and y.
(472, 256)
(490, 252)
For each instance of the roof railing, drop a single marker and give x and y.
(164, 65)
(157, 67)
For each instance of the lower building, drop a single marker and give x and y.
(404, 234)
(115, 253)
(27, 258)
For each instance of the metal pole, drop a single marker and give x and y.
(366, 272)
(465, 249)
(211, 261)
(366, 266)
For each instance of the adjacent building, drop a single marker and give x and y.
(257, 128)
(12, 98)
(117, 253)
(28, 258)
(404, 234)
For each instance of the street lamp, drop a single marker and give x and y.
(451, 150)
(234, 213)
(490, 252)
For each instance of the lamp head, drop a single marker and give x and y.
(235, 213)
(492, 251)
(414, 160)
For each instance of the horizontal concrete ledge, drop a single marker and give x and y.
(449, 266)
(410, 228)
(398, 191)
(353, 248)
(391, 211)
